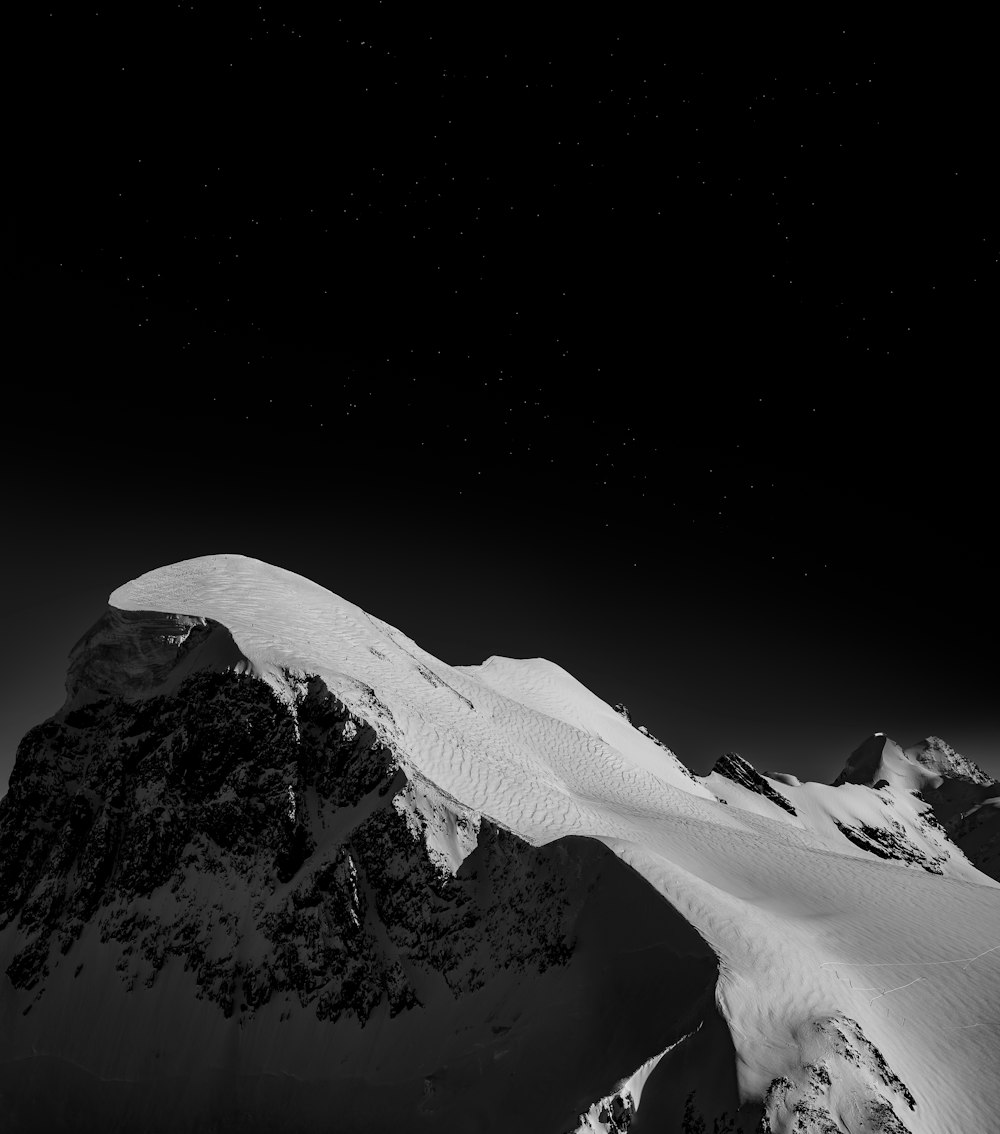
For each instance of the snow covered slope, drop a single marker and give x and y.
(385, 892)
(886, 822)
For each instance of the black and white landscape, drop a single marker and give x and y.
(650, 344)
(272, 866)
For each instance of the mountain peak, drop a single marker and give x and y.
(922, 765)
(938, 757)
(865, 765)
(269, 840)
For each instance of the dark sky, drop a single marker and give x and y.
(663, 351)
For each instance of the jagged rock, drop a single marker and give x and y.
(742, 772)
(151, 792)
(890, 842)
(839, 1063)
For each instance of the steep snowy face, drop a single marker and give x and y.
(961, 796)
(878, 759)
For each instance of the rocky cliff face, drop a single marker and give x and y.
(182, 814)
(272, 848)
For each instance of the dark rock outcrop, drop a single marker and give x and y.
(250, 856)
(742, 772)
(889, 842)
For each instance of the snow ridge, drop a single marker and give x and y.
(272, 831)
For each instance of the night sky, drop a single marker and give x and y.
(664, 351)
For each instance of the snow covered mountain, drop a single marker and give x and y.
(272, 865)
(964, 800)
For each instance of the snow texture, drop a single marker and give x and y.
(271, 843)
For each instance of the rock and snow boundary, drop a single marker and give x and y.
(843, 918)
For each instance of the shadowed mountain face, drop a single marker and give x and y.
(964, 799)
(203, 881)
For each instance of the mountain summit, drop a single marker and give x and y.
(940, 759)
(915, 768)
(274, 865)
(964, 799)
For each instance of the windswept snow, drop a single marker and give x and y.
(522, 742)
(779, 897)
(827, 948)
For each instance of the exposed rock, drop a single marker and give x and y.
(742, 772)
(890, 842)
(185, 813)
(841, 1069)
(121, 810)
